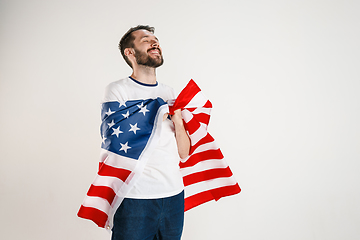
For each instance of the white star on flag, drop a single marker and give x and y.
(134, 128)
(122, 103)
(126, 115)
(144, 110)
(109, 112)
(141, 105)
(111, 124)
(103, 139)
(116, 131)
(124, 147)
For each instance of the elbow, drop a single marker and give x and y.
(183, 155)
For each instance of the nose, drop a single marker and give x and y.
(155, 43)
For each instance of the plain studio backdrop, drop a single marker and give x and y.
(283, 77)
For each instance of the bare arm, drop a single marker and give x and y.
(182, 138)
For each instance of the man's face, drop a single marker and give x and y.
(147, 49)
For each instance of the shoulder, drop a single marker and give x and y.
(118, 83)
(168, 90)
(114, 91)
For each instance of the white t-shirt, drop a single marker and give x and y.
(161, 176)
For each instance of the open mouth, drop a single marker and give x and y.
(154, 51)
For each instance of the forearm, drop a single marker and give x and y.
(182, 140)
(181, 136)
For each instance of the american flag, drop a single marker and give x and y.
(129, 135)
(206, 174)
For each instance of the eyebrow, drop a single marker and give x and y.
(146, 36)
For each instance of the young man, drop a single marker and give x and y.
(154, 206)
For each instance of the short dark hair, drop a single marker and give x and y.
(127, 41)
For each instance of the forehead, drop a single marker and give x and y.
(142, 33)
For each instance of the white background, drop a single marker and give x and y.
(283, 77)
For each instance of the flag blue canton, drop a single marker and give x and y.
(127, 126)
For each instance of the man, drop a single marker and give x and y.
(154, 206)
(138, 192)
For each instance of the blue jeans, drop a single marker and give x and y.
(149, 219)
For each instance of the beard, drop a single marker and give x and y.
(144, 59)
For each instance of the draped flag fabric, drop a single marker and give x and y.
(206, 174)
(129, 135)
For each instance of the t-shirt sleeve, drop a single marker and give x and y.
(172, 93)
(112, 93)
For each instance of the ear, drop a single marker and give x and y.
(129, 51)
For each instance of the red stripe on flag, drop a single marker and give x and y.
(191, 109)
(197, 199)
(207, 175)
(201, 156)
(101, 164)
(208, 104)
(93, 214)
(213, 194)
(110, 171)
(188, 93)
(102, 192)
(192, 126)
(185, 96)
(202, 117)
(225, 191)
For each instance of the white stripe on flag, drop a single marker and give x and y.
(206, 146)
(198, 100)
(98, 203)
(208, 185)
(203, 166)
(202, 110)
(199, 134)
(187, 115)
(122, 162)
(204, 125)
(111, 182)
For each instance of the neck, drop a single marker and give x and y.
(144, 74)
